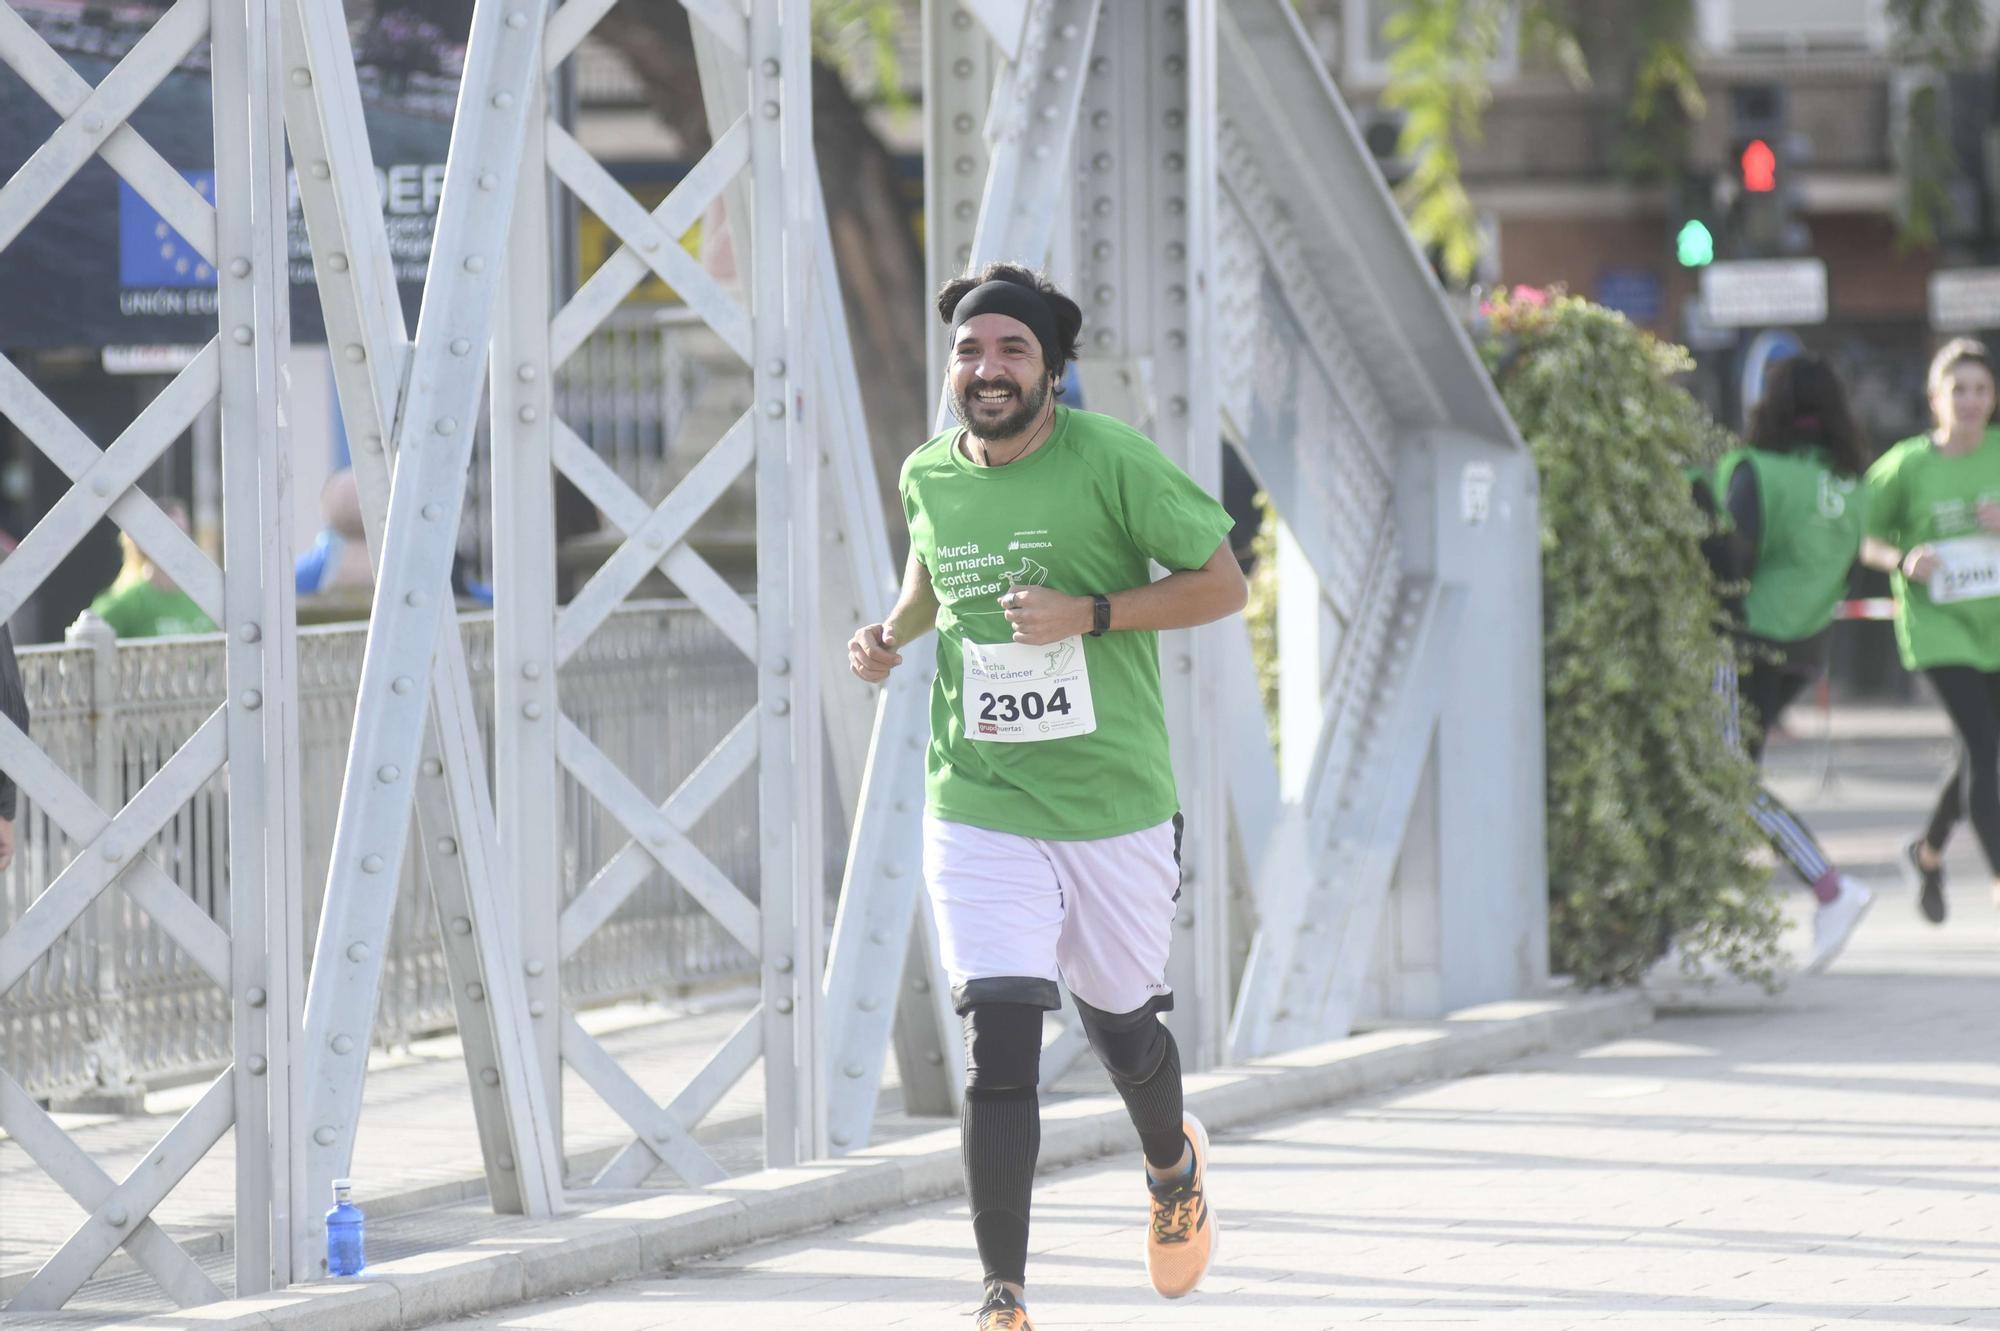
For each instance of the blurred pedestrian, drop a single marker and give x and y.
(338, 559)
(143, 602)
(1791, 526)
(1934, 510)
(14, 704)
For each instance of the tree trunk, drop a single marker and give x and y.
(875, 247)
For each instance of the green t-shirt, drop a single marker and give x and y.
(1086, 512)
(1809, 530)
(135, 608)
(1919, 496)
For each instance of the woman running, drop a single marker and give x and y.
(1933, 510)
(1793, 527)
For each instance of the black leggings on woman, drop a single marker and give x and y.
(1972, 699)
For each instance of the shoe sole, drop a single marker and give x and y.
(1200, 1135)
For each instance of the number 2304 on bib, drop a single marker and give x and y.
(1015, 693)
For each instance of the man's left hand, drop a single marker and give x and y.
(1041, 616)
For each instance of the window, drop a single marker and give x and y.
(1368, 47)
(1780, 25)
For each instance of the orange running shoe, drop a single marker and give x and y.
(1180, 1242)
(1003, 1312)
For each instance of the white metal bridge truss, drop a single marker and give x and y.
(1187, 171)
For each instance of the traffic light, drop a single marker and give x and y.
(1757, 165)
(1692, 220)
(1694, 245)
(1765, 218)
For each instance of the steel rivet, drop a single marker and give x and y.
(255, 997)
(461, 925)
(774, 408)
(357, 951)
(432, 767)
(659, 837)
(341, 1044)
(774, 368)
(770, 110)
(257, 1065)
(446, 425)
(772, 68)
(529, 415)
(373, 443)
(1100, 120)
(868, 1004)
(413, 598)
(655, 539)
(320, 171)
(920, 985)
(1101, 162)
(532, 710)
(892, 871)
(1100, 65)
(1049, 113)
(962, 67)
(538, 1008)
(387, 772)
(242, 335)
(100, 486)
(533, 967)
(531, 670)
(432, 512)
(517, 20)
(302, 77)
(324, 1136)
(783, 965)
(252, 700)
(503, 100)
(489, 181)
(447, 845)
(852, 1070)
(781, 666)
(490, 1076)
(113, 852)
(784, 1006)
(475, 991)
(336, 261)
(1041, 152)
(459, 346)
(371, 864)
(250, 633)
(663, 1132)
(401, 684)
(1068, 31)
(1058, 73)
(779, 707)
(355, 353)
(116, 1217)
(474, 264)
(934, 1058)
(1104, 295)
(506, 1162)
(963, 123)
(239, 267)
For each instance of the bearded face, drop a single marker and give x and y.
(999, 384)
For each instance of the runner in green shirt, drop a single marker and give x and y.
(1793, 524)
(1051, 828)
(1934, 524)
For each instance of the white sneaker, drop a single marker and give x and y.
(1834, 923)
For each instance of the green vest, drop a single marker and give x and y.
(1810, 532)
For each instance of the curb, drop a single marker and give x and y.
(646, 1236)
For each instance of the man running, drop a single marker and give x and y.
(1051, 823)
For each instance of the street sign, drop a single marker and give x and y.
(1965, 300)
(1764, 293)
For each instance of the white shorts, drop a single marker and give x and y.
(1016, 914)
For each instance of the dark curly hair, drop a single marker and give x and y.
(1804, 406)
(1069, 315)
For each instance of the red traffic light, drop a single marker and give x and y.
(1760, 167)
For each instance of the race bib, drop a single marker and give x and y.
(1018, 694)
(1968, 569)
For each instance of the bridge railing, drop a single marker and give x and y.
(116, 1008)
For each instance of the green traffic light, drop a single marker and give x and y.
(1695, 246)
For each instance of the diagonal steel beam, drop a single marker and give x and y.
(433, 437)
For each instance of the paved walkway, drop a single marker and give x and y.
(1830, 1156)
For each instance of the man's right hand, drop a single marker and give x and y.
(1919, 564)
(871, 653)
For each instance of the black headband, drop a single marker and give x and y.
(1016, 302)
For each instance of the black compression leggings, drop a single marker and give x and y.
(1972, 699)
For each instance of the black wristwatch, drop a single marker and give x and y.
(1100, 614)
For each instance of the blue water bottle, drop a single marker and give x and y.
(343, 1232)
